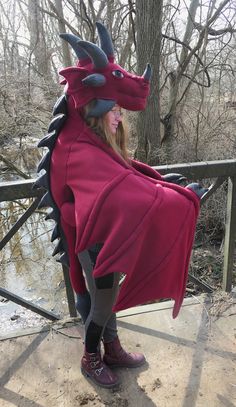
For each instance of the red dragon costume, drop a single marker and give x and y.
(146, 225)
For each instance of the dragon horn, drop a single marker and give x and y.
(73, 41)
(97, 55)
(105, 40)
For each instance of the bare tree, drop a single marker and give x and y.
(38, 43)
(62, 29)
(192, 67)
(149, 23)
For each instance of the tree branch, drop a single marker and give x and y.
(213, 32)
(11, 166)
(193, 53)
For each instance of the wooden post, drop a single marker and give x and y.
(69, 292)
(230, 234)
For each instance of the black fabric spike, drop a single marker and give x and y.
(73, 41)
(53, 215)
(57, 123)
(60, 106)
(105, 40)
(41, 182)
(46, 201)
(58, 249)
(49, 140)
(55, 233)
(64, 259)
(45, 162)
(97, 55)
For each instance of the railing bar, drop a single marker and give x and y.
(19, 189)
(19, 223)
(198, 282)
(202, 169)
(28, 304)
(196, 170)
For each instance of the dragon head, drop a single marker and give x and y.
(97, 77)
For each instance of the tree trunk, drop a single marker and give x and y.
(169, 120)
(149, 23)
(37, 39)
(62, 29)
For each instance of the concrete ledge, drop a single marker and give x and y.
(159, 306)
(65, 322)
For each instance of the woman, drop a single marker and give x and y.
(113, 215)
(95, 307)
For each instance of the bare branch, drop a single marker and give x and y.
(196, 56)
(213, 32)
(11, 166)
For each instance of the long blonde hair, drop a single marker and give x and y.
(117, 142)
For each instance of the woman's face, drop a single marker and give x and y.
(113, 118)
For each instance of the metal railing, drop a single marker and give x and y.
(220, 171)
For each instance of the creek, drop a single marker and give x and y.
(27, 267)
(28, 270)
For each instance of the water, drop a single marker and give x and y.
(28, 269)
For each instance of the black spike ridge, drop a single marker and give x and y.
(45, 162)
(57, 123)
(55, 233)
(41, 182)
(49, 140)
(46, 201)
(63, 259)
(52, 215)
(59, 248)
(60, 106)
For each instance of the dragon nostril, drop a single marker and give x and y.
(117, 73)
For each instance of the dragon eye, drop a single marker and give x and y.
(118, 74)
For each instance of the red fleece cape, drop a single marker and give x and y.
(145, 224)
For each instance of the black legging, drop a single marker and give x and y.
(103, 291)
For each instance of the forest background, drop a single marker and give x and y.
(191, 112)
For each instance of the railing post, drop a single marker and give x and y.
(230, 234)
(69, 292)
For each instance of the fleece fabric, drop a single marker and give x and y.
(129, 91)
(146, 225)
